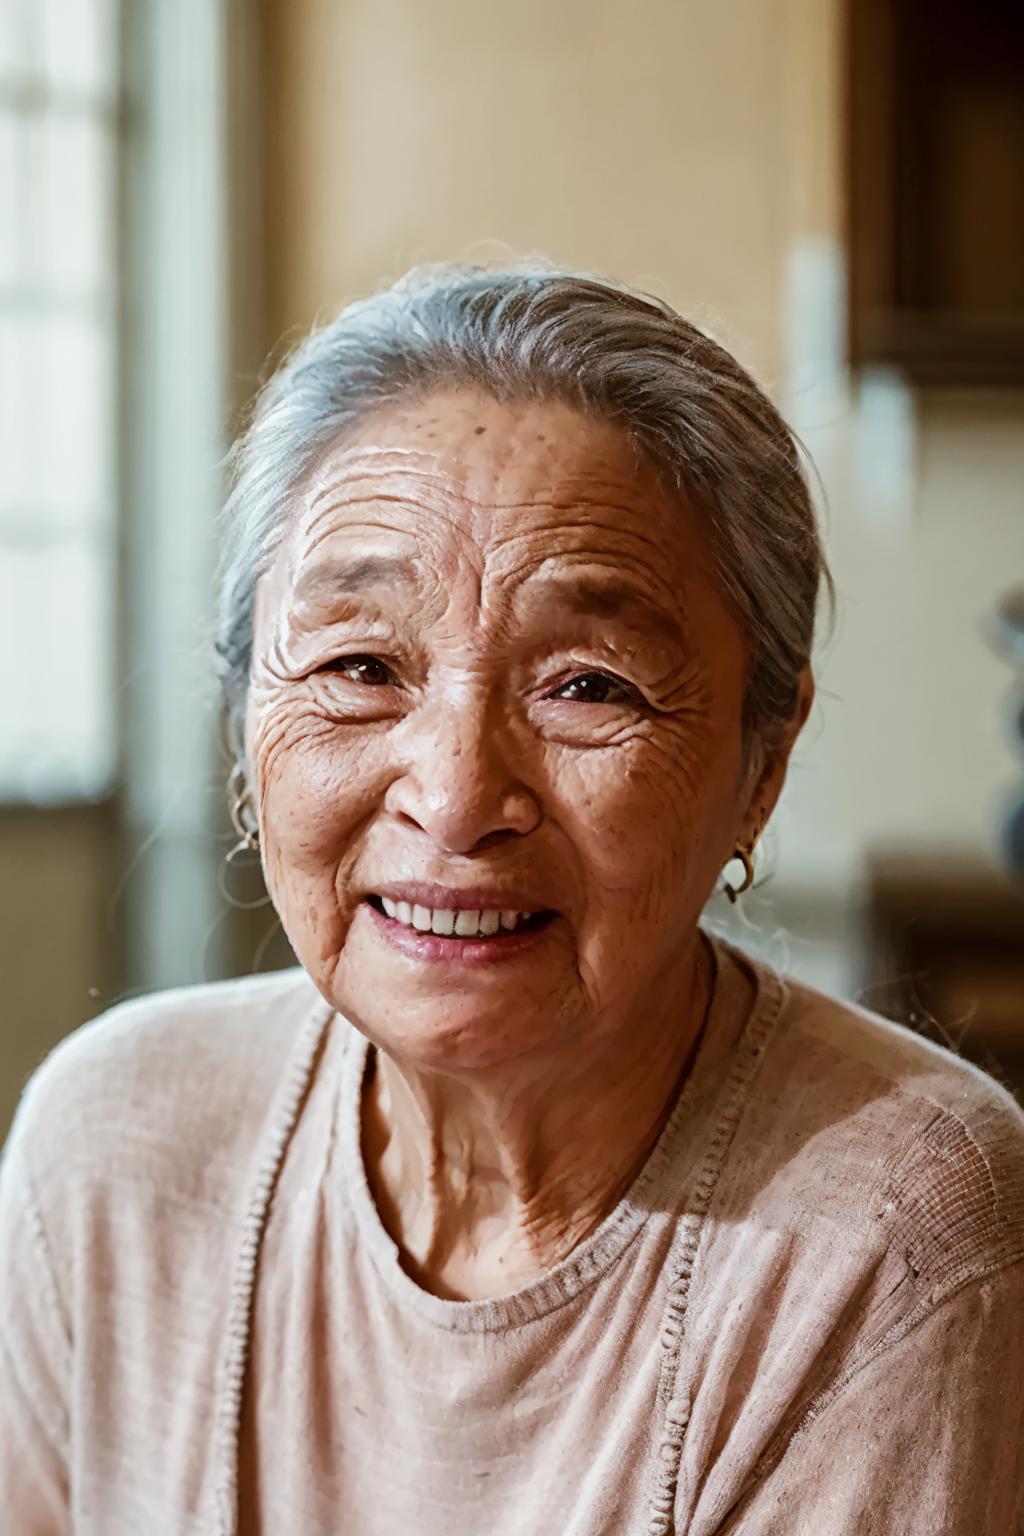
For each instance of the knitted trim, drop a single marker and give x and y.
(685, 1246)
(55, 1427)
(234, 1360)
(41, 1243)
(54, 1417)
(587, 1264)
(283, 1118)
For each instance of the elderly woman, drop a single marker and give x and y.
(525, 1204)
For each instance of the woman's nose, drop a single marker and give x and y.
(457, 783)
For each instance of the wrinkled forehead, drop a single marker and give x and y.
(506, 524)
(470, 478)
(495, 453)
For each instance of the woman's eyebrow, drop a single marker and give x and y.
(608, 600)
(333, 578)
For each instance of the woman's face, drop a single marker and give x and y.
(490, 658)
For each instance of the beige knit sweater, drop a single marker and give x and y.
(804, 1317)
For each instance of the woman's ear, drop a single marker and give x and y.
(767, 788)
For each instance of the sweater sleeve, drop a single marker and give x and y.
(35, 1360)
(926, 1437)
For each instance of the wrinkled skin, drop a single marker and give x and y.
(511, 1103)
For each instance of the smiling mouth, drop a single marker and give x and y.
(444, 922)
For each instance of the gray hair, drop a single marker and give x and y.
(536, 333)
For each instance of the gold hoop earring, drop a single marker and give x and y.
(238, 790)
(745, 856)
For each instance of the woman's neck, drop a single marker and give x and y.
(485, 1185)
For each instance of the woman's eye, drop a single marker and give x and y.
(596, 688)
(361, 669)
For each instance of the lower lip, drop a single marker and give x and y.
(432, 946)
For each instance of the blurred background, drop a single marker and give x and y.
(834, 188)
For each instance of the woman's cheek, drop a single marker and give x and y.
(313, 791)
(632, 797)
(639, 823)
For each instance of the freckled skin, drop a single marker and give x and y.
(511, 1105)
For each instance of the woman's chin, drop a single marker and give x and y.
(451, 1019)
(419, 998)
(466, 1041)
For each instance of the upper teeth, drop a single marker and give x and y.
(443, 920)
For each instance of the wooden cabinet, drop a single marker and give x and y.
(944, 953)
(935, 178)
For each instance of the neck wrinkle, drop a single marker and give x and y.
(463, 1229)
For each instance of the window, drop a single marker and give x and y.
(59, 143)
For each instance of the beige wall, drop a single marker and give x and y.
(909, 747)
(646, 140)
(694, 149)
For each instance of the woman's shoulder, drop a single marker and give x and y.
(869, 1123)
(922, 1084)
(170, 1088)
